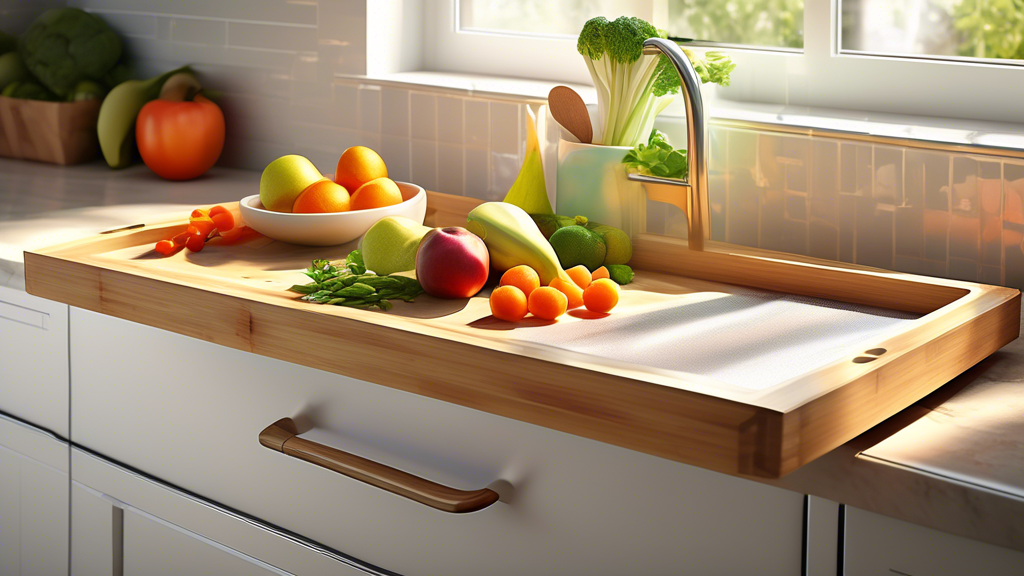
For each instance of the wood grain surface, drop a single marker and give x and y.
(454, 351)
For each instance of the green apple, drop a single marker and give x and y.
(284, 179)
(390, 245)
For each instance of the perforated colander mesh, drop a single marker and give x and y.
(750, 339)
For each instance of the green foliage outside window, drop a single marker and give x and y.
(990, 28)
(755, 22)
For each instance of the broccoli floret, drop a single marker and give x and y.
(67, 45)
(591, 39)
(624, 38)
(632, 89)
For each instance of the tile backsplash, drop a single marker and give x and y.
(289, 69)
(948, 214)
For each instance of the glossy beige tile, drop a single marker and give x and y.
(450, 170)
(271, 11)
(449, 120)
(424, 164)
(477, 123)
(284, 38)
(394, 110)
(423, 116)
(505, 123)
(396, 152)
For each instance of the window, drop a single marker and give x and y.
(937, 58)
(954, 29)
(540, 17)
(762, 23)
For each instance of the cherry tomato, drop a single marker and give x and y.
(180, 140)
(196, 239)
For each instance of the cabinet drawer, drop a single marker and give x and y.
(877, 544)
(190, 413)
(125, 523)
(34, 360)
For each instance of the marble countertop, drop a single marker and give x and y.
(953, 461)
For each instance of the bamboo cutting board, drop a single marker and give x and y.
(737, 361)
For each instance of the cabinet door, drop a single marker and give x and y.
(34, 360)
(153, 547)
(33, 502)
(877, 544)
(127, 524)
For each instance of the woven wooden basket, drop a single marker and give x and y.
(55, 132)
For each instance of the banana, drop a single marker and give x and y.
(513, 239)
(116, 123)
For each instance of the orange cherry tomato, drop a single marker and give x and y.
(196, 239)
(180, 140)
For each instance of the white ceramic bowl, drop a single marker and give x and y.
(329, 229)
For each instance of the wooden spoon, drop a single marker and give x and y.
(569, 110)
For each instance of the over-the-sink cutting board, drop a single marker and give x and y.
(740, 362)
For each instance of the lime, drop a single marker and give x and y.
(620, 249)
(576, 245)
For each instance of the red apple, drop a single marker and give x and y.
(452, 263)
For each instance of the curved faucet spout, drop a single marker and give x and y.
(696, 185)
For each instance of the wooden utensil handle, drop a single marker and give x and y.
(283, 437)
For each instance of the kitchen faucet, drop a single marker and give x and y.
(694, 198)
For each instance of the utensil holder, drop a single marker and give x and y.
(592, 182)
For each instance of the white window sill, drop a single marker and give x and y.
(978, 136)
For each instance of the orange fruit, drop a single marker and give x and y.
(357, 166)
(601, 272)
(547, 303)
(322, 196)
(572, 292)
(376, 194)
(601, 296)
(508, 303)
(580, 275)
(522, 277)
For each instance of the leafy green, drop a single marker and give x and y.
(632, 89)
(67, 45)
(351, 285)
(657, 158)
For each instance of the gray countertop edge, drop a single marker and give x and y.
(957, 506)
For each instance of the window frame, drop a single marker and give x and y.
(821, 76)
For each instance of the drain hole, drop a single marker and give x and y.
(876, 351)
(864, 359)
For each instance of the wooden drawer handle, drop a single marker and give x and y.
(283, 437)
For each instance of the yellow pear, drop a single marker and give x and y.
(284, 179)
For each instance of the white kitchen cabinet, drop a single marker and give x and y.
(879, 545)
(153, 547)
(192, 413)
(125, 523)
(33, 501)
(34, 360)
